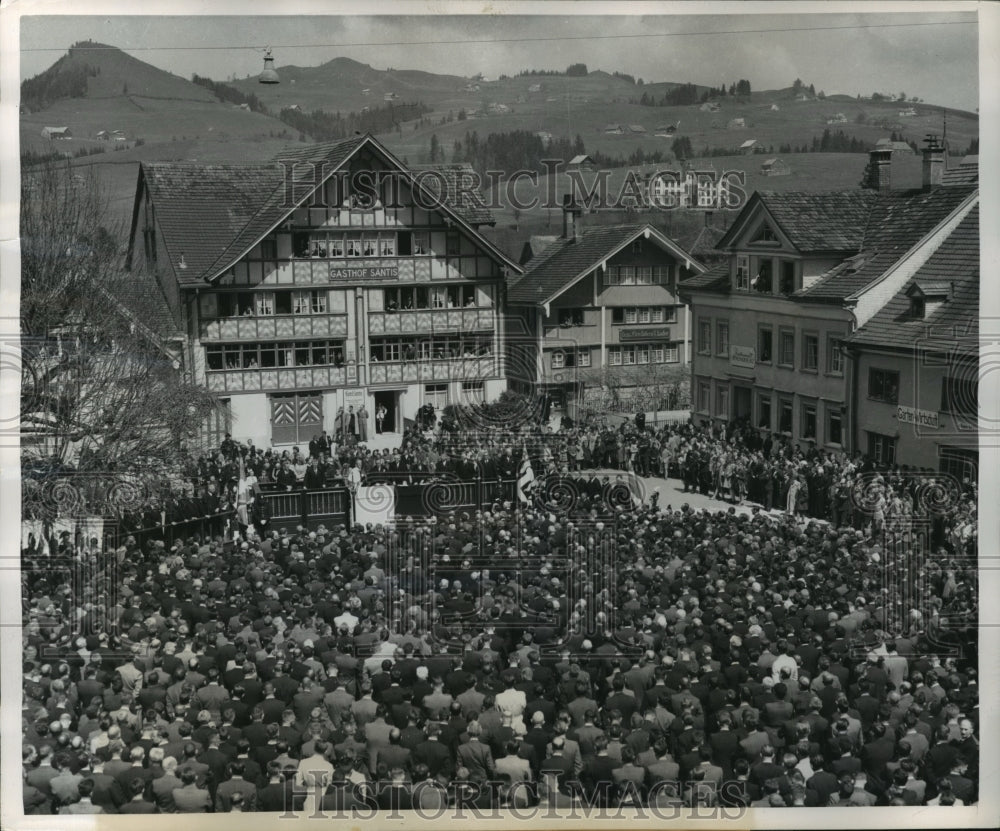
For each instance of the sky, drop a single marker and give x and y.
(936, 59)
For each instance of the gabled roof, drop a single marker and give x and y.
(898, 220)
(214, 214)
(930, 288)
(956, 261)
(716, 279)
(565, 261)
(703, 244)
(813, 222)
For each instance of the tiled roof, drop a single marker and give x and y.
(565, 260)
(966, 173)
(956, 261)
(897, 221)
(821, 221)
(715, 279)
(214, 213)
(461, 191)
(201, 209)
(703, 243)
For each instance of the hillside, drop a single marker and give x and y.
(96, 88)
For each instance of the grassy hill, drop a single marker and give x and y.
(94, 87)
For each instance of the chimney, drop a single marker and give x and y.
(878, 174)
(570, 213)
(934, 158)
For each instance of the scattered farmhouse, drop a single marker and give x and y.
(838, 118)
(909, 112)
(614, 129)
(535, 88)
(710, 107)
(749, 147)
(736, 124)
(775, 108)
(56, 133)
(636, 128)
(581, 162)
(775, 167)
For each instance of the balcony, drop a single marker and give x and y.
(430, 320)
(455, 369)
(273, 327)
(260, 380)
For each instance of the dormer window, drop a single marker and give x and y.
(927, 296)
(917, 307)
(766, 236)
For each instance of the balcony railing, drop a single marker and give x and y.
(272, 327)
(254, 380)
(430, 320)
(433, 370)
(323, 272)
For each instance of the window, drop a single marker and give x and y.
(808, 425)
(722, 402)
(786, 356)
(387, 245)
(301, 302)
(317, 302)
(882, 448)
(218, 423)
(704, 396)
(571, 317)
(704, 337)
(834, 357)
(583, 357)
(269, 249)
(628, 275)
(436, 394)
(961, 463)
(764, 411)
(558, 359)
(763, 281)
(644, 275)
(787, 285)
(612, 276)
(834, 424)
(642, 354)
(785, 416)
(671, 354)
(615, 356)
(722, 338)
(473, 392)
(631, 315)
(644, 315)
(960, 395)
(628, 352)
(265, 303)
(810, 352)
(765, 344)
(353, 247)
(421, 243)
(452, 244)
(883, 385)
(269, 355)
(742, 272)
(917, 307)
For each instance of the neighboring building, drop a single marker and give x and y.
(535, 88)
(909, 112)
(57, 133)
(775, 167)
(749, 147)
(686, 189)
(805, 270)
(103, 135)
(581, 162)
(916, 362)
(736, 124)
(301, 293)
(614, 129)
(636, 128)
(965, 173)
(665, 130)
(775, 108)
(710, 107)
(837, 118)
(390, 96)
(898, 147)
(600, 300)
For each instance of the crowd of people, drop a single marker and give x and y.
(480, 659)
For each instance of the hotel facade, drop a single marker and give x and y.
(332, 277)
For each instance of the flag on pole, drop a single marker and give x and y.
(526, 478)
